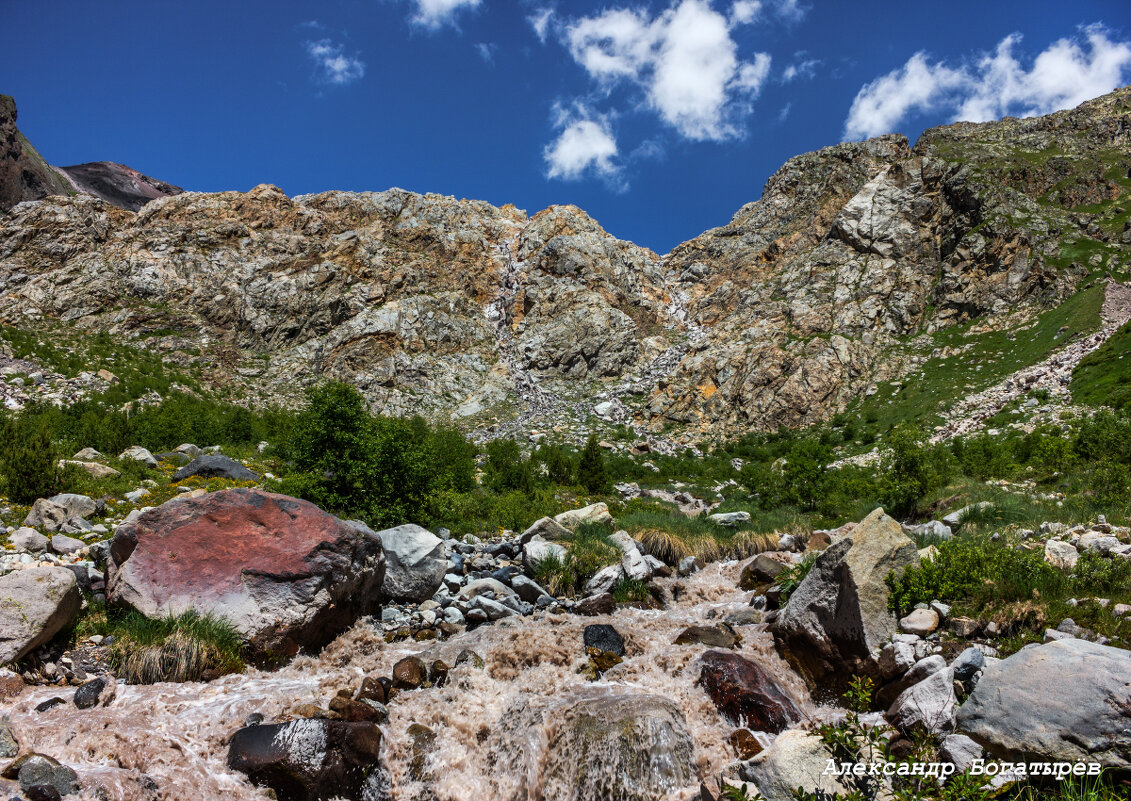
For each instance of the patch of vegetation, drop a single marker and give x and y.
(588, 550)
(185, 647)
(1103, 377)
(1011, 584)
(853, 741)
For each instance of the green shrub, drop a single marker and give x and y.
(505, 469)
(911, 470)
(591, 472)
(27, 459)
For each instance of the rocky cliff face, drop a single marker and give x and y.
(464, 311)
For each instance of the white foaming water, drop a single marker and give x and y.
(491, 724)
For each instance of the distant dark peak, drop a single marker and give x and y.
(26, 175)
(117, 184)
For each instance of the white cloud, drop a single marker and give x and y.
(803, 68)
(585, 145)
(1067, 73)
(684, 60)
(486, 51)
(333, 65)
(540, 22)
(743, 12)
(437, 13)
(916, 86)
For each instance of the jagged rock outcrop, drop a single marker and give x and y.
(24, 174)
(464, 311)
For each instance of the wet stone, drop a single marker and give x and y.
(409, 673)
(720, 636)
(603, 604)
(50, 702)
(603, 637)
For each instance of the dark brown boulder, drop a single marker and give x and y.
(286, 574)
(746, 694)
(312, 759)
(763, 569)
(603, 604)
(409, 673)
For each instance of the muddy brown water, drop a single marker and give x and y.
(176, 734)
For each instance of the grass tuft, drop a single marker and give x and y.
(185, 647)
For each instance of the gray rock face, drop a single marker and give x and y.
(1063, 701)
(35, 605)
(927, 706)
(837, 619)
(215, 465)
(415, 562)
(442, 306)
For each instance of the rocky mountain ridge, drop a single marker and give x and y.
(832, 282)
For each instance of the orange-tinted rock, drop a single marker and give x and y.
(285, 573)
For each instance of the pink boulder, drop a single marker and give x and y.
(286, 574)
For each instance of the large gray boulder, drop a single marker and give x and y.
(35, 604)
(838, 618)
(1067, 700)
(76, 505)
(795, 759)
(415, 561)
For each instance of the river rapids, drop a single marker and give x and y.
(169, 741)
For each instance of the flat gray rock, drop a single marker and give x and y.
(35, 604)
(215, 465)
(1066, 700)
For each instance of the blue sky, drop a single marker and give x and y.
(658, 118)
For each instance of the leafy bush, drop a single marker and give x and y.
(790, 578)
(973, 570)
(912, 470)
(506, 469)
(591, 472)
(385, 470)
(27, 459)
